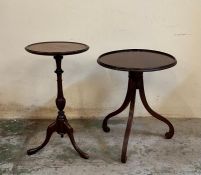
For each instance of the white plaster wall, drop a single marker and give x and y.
(28, 82)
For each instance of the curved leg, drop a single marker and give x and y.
(51, 128)
(169, 134)
(70, 134)
(123, 106)
(128, 128)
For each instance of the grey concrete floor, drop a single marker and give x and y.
(148, 152)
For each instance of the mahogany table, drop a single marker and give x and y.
(61, 125)
(135, 62)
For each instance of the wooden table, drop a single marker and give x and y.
(135, 62)
(61, 125)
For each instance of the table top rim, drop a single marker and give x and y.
(56, 53)
(137, 69)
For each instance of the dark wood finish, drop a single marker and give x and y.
(135, 82)
(137, 60)
(61, 125)
(53, 48)
(132, 90)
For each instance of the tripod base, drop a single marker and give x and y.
(135, 83)
(61, 126)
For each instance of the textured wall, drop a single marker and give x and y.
(28, 82)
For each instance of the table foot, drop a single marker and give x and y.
(169, 135)
(124, 159)
(123, 106)
(104, 126)
(51, 128)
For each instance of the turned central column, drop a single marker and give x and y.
(60, 100)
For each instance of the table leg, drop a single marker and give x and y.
(51, 128)
(170, 133)
(123, 106)
(129, 125)
(69, 130)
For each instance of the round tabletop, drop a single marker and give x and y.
(56, 48)
(140, 60)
